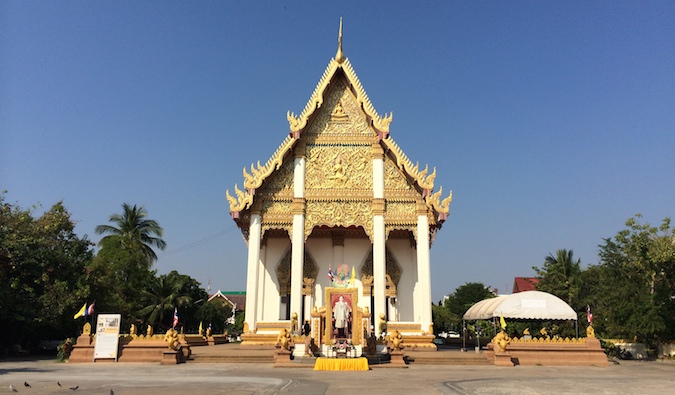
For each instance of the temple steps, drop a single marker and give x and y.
(232, 353)
(445, 358)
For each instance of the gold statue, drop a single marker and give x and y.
(526, 332)
(501, 341)
(590, 332)
(382, 325)
(132, 330)
(86, 330)
(294, 323)
(150, 331)
(171, 339)
(208, 332)
(284, 339)
(338, 169)
(396, 340)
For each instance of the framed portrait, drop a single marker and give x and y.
(342, 315)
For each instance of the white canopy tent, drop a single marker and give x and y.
(532, 305)
(528, 305)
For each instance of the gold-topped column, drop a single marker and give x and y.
(379, 236)
(298, 236)
(252, 273)
(422, 306)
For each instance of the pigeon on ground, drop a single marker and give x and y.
(25, 384)
(59, 384)
(112, 392)
(75, 387)
(11, 388)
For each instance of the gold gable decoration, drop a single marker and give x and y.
(298, 122)
(258, 173)
(338, 143)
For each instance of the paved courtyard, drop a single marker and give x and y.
(629, 377)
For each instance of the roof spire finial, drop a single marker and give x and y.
(339, 56)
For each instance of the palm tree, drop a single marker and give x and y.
(561, 276)
(167, 292)
(134, 230)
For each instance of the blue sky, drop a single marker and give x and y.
(552, 122)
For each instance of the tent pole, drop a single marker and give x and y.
(576, 327)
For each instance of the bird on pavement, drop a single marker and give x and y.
(59, 384)
(11, 388)
(25, 384)
(75, 387)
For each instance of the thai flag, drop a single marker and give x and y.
(175, 316)
(90, 309)
(331, 276)
(589, 315)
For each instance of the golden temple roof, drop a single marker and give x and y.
(256, 176)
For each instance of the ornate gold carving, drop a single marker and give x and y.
(259, 173)
(338, 115)
(338, 167)
(423, 179)
(297, 123)
(377, 151)
(442, 206)
(394, 179)
(367, 282)
(308, 286)
(241, 202)
(392, 269)
(344, 136)
(339, 214)
(283, 271)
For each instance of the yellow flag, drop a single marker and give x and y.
(81, 312)
(353, 279)
(502, 322)
(201, 329)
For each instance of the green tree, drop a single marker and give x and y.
(135, 231)
(214, 313)
(561, 276)
(635, 297)
(166, 293)
(459, 302)
(41, 264)
(118, 277)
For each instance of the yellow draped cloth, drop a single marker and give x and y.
(341, 364)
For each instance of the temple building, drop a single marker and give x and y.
(338, 224)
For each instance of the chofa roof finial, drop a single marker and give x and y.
(339, 56)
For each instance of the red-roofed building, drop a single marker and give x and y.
(236, 300)
(521, 284)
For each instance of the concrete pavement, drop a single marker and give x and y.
(629, 377)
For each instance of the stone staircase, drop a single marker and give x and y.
(445, 358)
(232, 353)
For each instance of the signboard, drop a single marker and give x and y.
(107, 336)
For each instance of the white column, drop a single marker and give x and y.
(261, 284)
(298, 237)
(252, 272)
(379, 268)
(307, 311)
(379, 239)
(422, 306)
